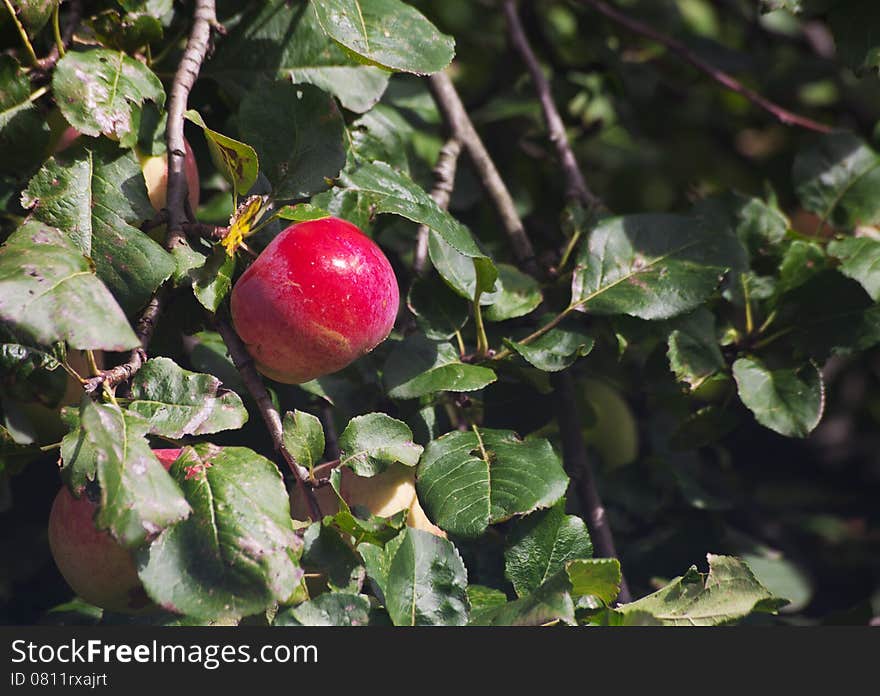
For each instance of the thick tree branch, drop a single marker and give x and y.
(575, 186)
(187, 73)
(462, 128)
(444, 182)
(723, 78)
(579, 468)
(254, 383)
(184, 80)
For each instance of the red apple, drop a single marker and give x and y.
(93, 563)
(321, 295)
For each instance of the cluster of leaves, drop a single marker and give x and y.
(727, 309)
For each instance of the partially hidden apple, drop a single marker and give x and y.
(46, 420)
(383, 495)
(319, 296)
(94, 564)
(155, 169)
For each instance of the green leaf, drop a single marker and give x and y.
(28, 373)
(298, 134)
(177, 402)
(853, 23)
(236, 160)
(729, 592)
(427, 582)
(34, 14)
(557, 349)
(328, 609)
(760, 226)
(23, 130)
(540, 545)
(482, 597)
(383, 134)
(439, 312)
(594, 577)
(372, 530)
(828, 314)
(138, 498)
(391, 191)
(326, 553)
(303, 437)
(96, 194)
(652, 266)
(519, 294)
(838, 178)
(208, 353)
(293, 48)
(469, 480)
(301, 212)
(789, 402)
(860, 260)
(458, 270)
(549, 604)
(801, 261)
(100, 91)
(48, 290)
(127, 32)
(693, 351)
(237, 554)
(371, 442)
(417, 366)
(212, 281)
(388, 33)
(377, 560)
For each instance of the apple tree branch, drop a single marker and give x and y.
(723, 78)
(574, 449)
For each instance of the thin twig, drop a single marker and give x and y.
(579, 468)
(205, 19)
(444, 182)
(462, 128)
(254, 383)
(575, 185)
(723, 78)
(144, 328)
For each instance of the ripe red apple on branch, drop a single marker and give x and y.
(321, 295)
(93, 563)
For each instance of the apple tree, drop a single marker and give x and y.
(370, 312)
